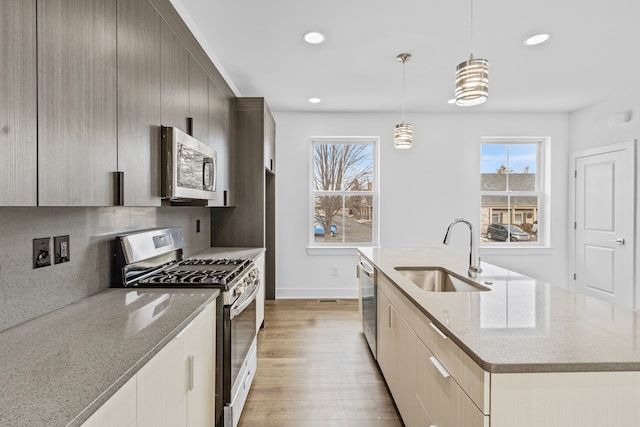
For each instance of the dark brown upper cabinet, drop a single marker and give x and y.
(18, 104)
(77, 111)
(139, 102)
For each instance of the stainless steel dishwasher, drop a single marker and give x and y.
(369, 300)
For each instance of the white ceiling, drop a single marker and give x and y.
(594, 51)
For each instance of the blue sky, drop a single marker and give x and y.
(514, 156)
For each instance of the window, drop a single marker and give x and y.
(511, 191)
(344, 192)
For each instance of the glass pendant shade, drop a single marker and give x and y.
(403, 136)
(472, 82)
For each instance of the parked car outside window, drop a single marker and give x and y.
(318, 229)
(502, 232)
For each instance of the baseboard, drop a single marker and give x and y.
(339, 293)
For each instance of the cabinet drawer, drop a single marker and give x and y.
(445, 403)
(472, 378)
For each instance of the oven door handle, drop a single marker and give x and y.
(235, 310)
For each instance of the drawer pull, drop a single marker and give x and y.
(439, 367)
(190, 371)
(435, 328)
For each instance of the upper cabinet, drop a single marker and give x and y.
(18, 104)
(86, 86)
(198, 101)
(77, 112)
(139, 102)
(221, 137)
(174, 72)
(269, 140)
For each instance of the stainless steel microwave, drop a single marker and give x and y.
(189, 167)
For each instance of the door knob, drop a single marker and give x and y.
(619, 240)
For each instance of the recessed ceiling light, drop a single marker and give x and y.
(315, 100)
(314, 37)
(536, 39)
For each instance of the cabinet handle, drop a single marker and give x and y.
(435, 328)
(118, 190)
(389, 316)
(439, 367)
(190, 367)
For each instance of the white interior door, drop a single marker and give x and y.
(604, 222)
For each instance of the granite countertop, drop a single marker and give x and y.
(60, 368)
(521, 324)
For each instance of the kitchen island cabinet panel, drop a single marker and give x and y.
(440, 396)
(139, 101)
(18, 104)
(471, 377)
(77, 111)
(396, 355)
(565, 399)
(174, 73)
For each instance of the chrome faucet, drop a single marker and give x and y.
(474, 267)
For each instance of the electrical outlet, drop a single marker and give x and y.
(61, 249)
(42, 252)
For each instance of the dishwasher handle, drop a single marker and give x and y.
(366, 268)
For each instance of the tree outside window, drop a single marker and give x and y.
(344, 191)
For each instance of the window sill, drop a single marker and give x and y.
(333, 250)
(515, 250)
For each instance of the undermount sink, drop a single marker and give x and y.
(434, 279)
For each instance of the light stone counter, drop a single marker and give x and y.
(58, 369)
(521, 324)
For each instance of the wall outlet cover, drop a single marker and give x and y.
(41, 252)
(61, 249)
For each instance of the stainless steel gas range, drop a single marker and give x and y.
(154, 259)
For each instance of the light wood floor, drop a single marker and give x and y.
(315, 369)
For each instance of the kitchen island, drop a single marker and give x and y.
(58, 369)
(523, 353)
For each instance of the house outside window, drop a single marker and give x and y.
(344, 200)
(511, 192)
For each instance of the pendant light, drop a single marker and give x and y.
(403, 135)
(472, 77)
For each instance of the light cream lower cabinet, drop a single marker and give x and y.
(174, 389)
(436, 384)
(119, 410)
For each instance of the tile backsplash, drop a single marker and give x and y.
(26, 293)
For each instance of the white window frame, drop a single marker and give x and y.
(543, 193)
(340, 248)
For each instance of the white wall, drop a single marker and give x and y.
(422, 190)
(590, 128)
